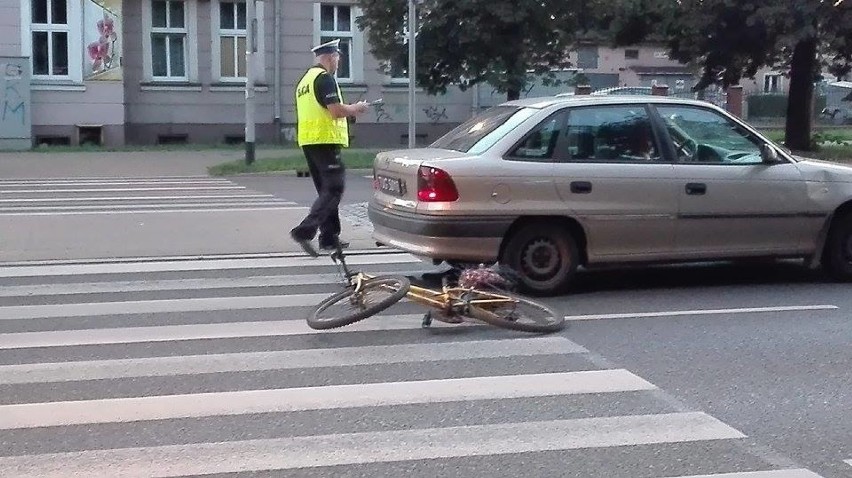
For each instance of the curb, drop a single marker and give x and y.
(291, 172)
(188, 258)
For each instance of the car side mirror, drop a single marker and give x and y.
(768, 154)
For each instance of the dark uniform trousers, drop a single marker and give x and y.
(328, 173)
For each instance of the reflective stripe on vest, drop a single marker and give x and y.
(315, 123)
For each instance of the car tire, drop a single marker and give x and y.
(545, 257)
(837, 256)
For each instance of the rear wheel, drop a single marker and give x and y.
(350, 306)
(520, 314)
(544, 255)
(837, 256)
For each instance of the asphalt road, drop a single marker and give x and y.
(181, 368)
(113, 363)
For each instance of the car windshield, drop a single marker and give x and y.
(483, 130)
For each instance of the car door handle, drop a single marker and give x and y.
(581, 187)
(696, 189)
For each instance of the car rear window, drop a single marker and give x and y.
(483, 130)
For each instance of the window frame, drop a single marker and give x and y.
(218, 33)
(400, 80)
(189, 31)
(662, 141)
(559, 149)
(663, 132)
(73, 27)
(354, 36)
(777, 79)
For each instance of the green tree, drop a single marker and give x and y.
(732, 39)
(504, 43)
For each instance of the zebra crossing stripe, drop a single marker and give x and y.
(373, 447)
(18, 312)
(171, 284)
(243, 402)
(200, 265)
(175, 333)
(797, 473)
(281, 360)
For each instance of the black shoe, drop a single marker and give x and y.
(331, 246)
(306, 245)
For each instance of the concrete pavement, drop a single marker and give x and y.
(121, 205)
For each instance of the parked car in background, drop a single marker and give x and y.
(547, 185)
(616, 90)
(838, 106)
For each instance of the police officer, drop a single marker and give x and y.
(322, 130)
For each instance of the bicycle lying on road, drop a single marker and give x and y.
(365, 295)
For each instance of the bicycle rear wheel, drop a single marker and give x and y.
(374, 296)
(518, 313)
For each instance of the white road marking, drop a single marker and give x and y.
(244, 402)
(158, 211)
(797, 473)
(138, 198)
(124, 207)
(283, 360)
(199, 265)
(18, 312)
(672, 313)
(229, 330)
(188, 188)
(372, 447)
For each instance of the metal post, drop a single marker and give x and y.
(251, 49)
(412, 29)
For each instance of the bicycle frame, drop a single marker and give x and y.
(449, 300)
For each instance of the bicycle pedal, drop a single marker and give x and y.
(427, 321)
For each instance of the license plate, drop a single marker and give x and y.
(392, 186)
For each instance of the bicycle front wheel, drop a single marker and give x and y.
(516, 313)
(350, 306)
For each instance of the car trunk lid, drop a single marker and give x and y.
(396, 174)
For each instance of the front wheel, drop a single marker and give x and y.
(374, 296)
(838, 249)
(519, 313)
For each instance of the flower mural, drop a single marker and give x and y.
(99, 51)
(103, 39)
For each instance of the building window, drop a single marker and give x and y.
(399, 64)
(587, 57)
(772, 83)
(50, 38)
(168, 39)
(232, 40)
(631, 54)
(338, 21)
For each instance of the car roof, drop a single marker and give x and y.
(585, 100)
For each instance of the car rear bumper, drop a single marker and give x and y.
(457, 238)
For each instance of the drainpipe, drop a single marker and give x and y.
(276, 83)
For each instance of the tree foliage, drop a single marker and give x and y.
(463, 42)
(733, 39)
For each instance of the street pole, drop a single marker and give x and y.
(412, 29)
(251, 49)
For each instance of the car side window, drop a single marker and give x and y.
(611, 133)
(701, 135)
(540, 143)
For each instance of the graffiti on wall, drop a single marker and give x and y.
(436, 114)
(14, 98)
(102, 39)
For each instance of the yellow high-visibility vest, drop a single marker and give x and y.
(315, 124)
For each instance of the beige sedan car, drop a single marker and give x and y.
(545, 185)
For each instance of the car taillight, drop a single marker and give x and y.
(435, 185)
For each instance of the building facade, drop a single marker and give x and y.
(116, 72)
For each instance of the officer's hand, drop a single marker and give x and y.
(362, 106)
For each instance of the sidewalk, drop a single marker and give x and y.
(118, 164)
(155, 234)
